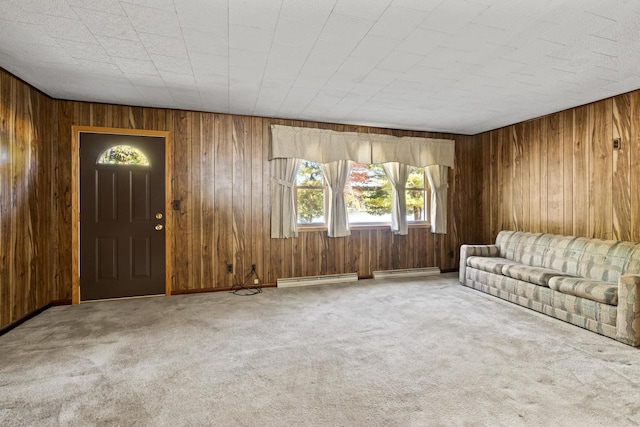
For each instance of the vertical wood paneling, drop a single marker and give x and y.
(208, 202)
(223, 211)
(634, 167)
(256, 167)
(180, 127)
(521, 134)
(533, 138)
(581, 144)
(573, 181)
(600, 171)
(26, 176)
(239, 196)
(555, 174)
(197, 178)
(506, 148)
(544, 177)
(621, 168)
(486, 204)
(567, 175)
(517, 198)
(494, 182)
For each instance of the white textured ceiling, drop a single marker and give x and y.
(452, 66)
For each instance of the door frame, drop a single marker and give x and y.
(75, 200)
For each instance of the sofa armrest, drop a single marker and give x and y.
(475, 250)
(628, 321)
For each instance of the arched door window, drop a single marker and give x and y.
(123, 155)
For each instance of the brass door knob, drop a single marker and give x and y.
(158, 215)
(159, 227)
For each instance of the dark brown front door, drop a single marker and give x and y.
(122, 216)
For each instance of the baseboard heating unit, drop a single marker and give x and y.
(316, 280)
(408, 272)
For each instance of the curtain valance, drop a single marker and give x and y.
(325, 146)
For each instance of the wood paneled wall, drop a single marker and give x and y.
(221, 175)
(560, 173)
(26, 242)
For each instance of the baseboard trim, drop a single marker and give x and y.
(57, 302)
(206, 290)
(20, 321)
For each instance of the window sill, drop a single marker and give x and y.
(303, 228)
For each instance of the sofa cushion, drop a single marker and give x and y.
(536, 275)
(490, 264)
(604, 292)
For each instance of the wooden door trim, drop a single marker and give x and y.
(75, 200)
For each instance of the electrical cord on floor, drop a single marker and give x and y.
(245, 288)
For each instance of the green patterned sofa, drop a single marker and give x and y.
(591, 283)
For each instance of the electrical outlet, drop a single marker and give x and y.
(617, 143)
(230, 268)
(256, 281)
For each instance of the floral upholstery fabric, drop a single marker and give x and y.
(604, 292)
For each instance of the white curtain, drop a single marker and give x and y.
(438, 177)
(398, 174)
(336, 175)
(284, 222)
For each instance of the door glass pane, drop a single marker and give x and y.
(122, 155)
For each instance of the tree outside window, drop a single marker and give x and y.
(310, 193)
(416, 195)
(368, 194)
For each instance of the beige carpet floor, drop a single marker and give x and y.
(423, 352)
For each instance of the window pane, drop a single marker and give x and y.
(368, 194)
(416, 206)
(416, 178)
(123, 155)
(310, 206)
(309, 175)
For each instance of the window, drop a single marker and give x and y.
(367, 194)
(417, 196)
(310, 194)
(122, 155)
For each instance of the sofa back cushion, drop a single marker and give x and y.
(563, 253)
(633, 266)
(595, 259)
(507, 242)
(605, 260)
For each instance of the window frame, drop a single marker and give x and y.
(426, 191)
(308, 226)
(325, 208)
(322, 226)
